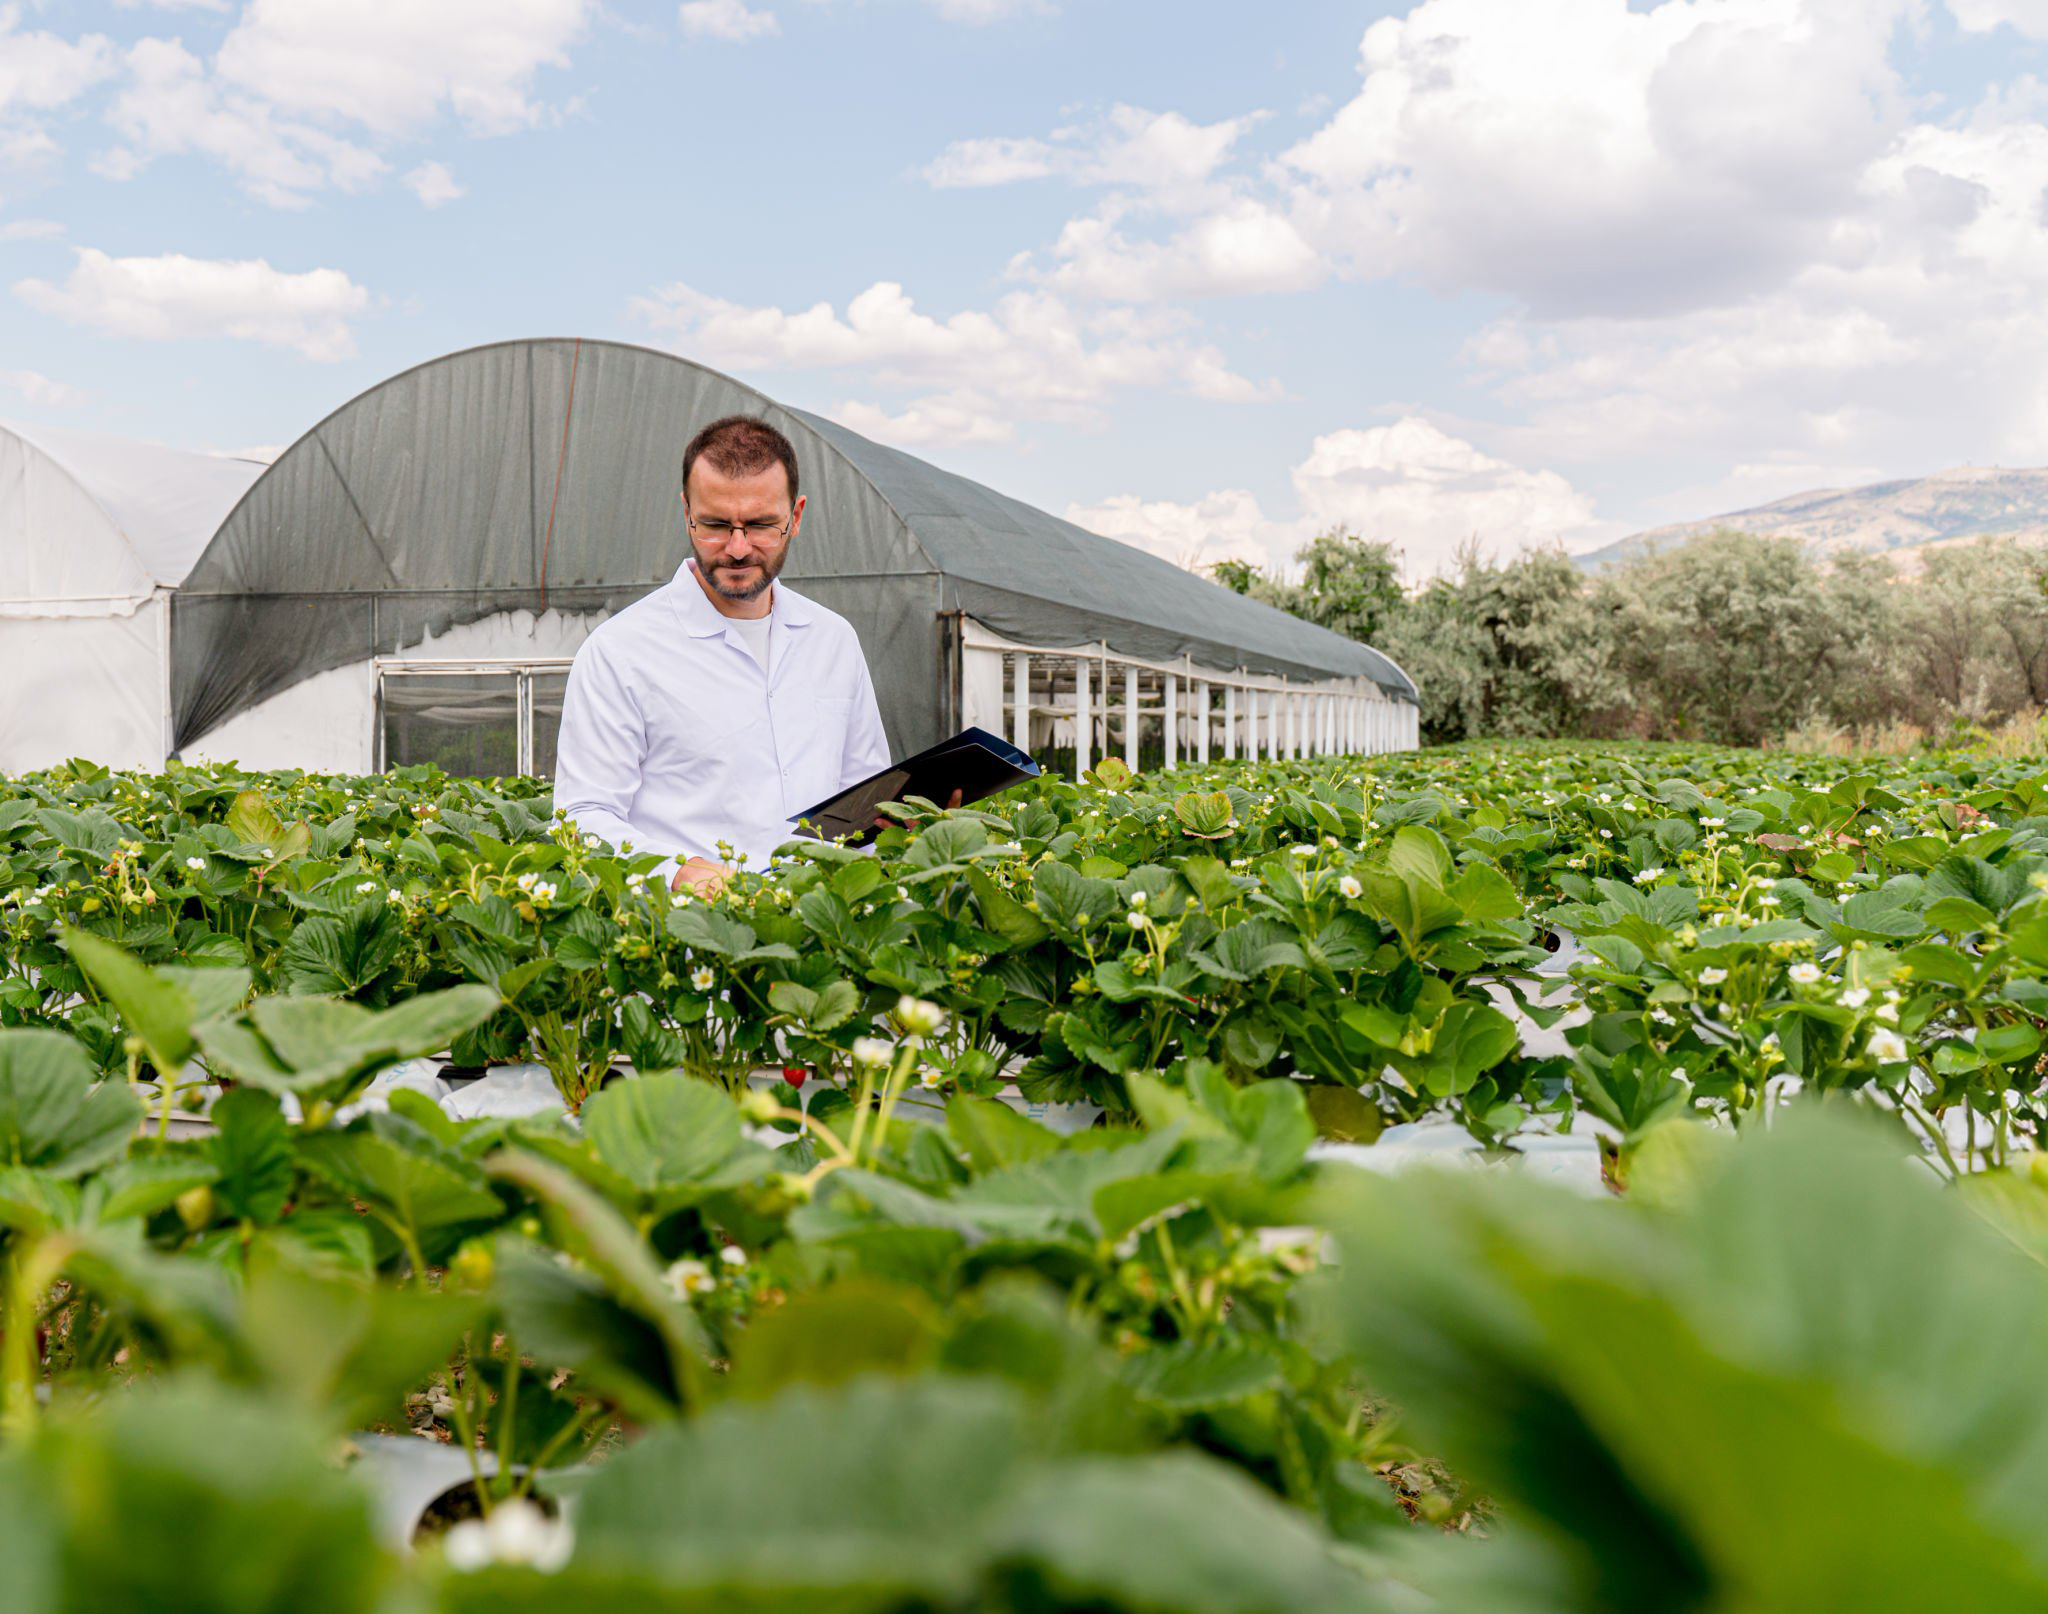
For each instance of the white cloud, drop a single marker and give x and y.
(1240, 247)
(40, 392)
(1155, 164)
(1131, 147)
(2029, 17)
(1409, 484)
(433, 184)
(172, 297)
(40, 72)
(1228, 525)
(983, 12)
(31, 230)
(1587, 155)
(307, 94)
(392, 66)
(731, 20)
(170, 106)
(1917, 341)
(953, 418)
(994, 160)
(1032, 356)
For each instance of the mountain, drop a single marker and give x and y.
(1911, 516)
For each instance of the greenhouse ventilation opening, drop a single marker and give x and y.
(409, 580)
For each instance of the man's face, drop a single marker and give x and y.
(739, 564)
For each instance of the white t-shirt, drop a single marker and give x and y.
(754, 629)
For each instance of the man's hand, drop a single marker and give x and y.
(701, 876)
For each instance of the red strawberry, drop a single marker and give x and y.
(794, 1075)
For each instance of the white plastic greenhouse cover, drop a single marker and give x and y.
(94, 534)
(92, 526)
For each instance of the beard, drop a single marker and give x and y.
(739, 580)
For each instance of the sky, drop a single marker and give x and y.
(1205, 276)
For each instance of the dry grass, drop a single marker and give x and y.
(2024, 733)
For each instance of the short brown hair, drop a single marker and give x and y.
(740, 445)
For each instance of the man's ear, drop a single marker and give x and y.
(796, 516)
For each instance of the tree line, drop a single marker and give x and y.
(1730, 637)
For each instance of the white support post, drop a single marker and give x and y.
(1273, 712)
(1203, 718)
(1230, 722)
(1020, 703)
(1169, 719)
(1084, 719)
(1130, 719)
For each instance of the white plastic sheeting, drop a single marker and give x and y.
(94, 533)
(82, 686)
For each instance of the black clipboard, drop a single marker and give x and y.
(974, 762)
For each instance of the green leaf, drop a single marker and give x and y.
(1069, 901)
(344, 1349)
(1003, 915)
(1206, 815)
(192, 1496)
(1484, 893)
(992, 1135)
(662, 1132)
(828, 1336)
(1172, 1532)
(1187, 1377)
(159, 1005)
(1420, 855)
(327, 1046)
(1344, 1114)
(55, 1115)
(390, 1162)
(252, 1151)
(568, 1319)
(897, 1480)
(143, 1184)
(2009, 1045)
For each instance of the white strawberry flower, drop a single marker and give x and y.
(872, 1051)
(1650, 876)
(1887, 1047)
(918, 1017)
(687, 1278)
(702, 978)
(365, 887)
(1349, 888)
(1855, 997)
(1710, 976)
(517, 1533)
(1804, 974)
(195, 864)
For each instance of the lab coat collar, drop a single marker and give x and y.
(703, 620)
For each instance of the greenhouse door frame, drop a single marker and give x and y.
(522, 669)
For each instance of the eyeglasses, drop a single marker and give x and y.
(721, 532)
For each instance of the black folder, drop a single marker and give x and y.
(974, 762)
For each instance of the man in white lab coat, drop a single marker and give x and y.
(701, 718)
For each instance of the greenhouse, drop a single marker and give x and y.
(409, 582)
(95, 534)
